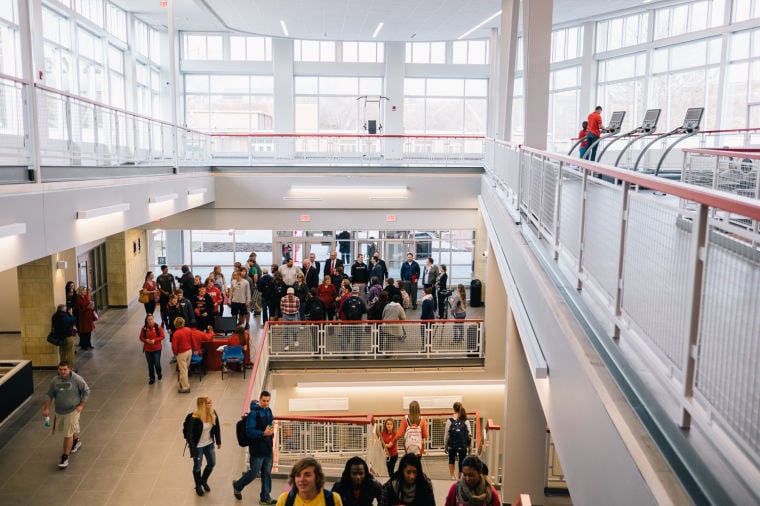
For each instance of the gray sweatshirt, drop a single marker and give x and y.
(68, 392)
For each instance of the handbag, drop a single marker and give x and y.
(460, 315)
(54, 340)
(95, 316)
(144, 297)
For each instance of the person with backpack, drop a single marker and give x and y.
(307, 481)
(357, 486)
(260, 430)
(264, 286)
(152, 337)
(414, 430)
(456, 438)
(352, 309)
(408, 486)
(474, 488)
(201, 429)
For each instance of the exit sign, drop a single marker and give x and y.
(305, 217)
(390, 217)
(164, 3)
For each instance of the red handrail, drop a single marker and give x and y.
(256, 365)
(750, 153)
(15, 79)
(743, 206)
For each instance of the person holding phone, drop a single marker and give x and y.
(259, 427)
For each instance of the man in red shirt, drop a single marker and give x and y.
(185, 342)
(289, 306)
(595, 128)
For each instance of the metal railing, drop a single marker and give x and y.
(668, 266)
(373, 340)
(252, 148)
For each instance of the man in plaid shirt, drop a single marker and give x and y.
(289, 306)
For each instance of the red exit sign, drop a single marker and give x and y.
(163, 3)
(305, 217)
(390, 217)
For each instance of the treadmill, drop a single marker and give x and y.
(613, 127)
(688, 128)
(648, 126)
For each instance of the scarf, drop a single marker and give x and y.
(481, 495)
(404, 491)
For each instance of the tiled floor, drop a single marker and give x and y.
(131, 432)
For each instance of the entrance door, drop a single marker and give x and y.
(299, 248)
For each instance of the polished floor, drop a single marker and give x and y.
(132, 452)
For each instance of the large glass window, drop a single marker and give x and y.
(91, 9)
(116, 22)
(470, 51)
(688, 17)
(564, 99)
(148, 70)
(425, 52)
(328, 104)
(745, 9)
(202, 47)
(10, 46)
(445, 106)
(363, 52)
(686, 75)
(742, 80)
(622, 32)
(229, 103)
(314, 50)
(621, 87)
(567, 44)
(250, 48)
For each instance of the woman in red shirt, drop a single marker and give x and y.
(150, 289)
(216, 296)
(326, 292)
(391, 447)
(83, 308)
(583, 134)
(152, 337)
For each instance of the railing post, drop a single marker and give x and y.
(582, 233)
(32, 132)
(557, 210)
(621, 256)
(700, 240)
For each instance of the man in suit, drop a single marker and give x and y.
(332, 264)
(429, 279)
(314, 262)
(311, 274)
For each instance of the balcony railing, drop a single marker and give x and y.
(375, 340)
(672, 267)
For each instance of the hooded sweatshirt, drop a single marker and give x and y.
(255, 424)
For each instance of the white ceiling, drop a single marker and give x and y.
(404, 20)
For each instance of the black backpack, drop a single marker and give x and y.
(458, 434)
(329, 501)
(243, 438)
(316, 310)
(352, 308)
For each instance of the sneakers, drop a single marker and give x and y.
(77, 446)
(64, 461)
(236, 492)
(268, 501)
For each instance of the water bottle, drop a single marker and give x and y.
(47, 422)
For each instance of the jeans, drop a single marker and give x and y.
(591, 139)
(411, 289)
(154, 363)
(261, 465)
(210, 454)
(265, 310)
(291, 331)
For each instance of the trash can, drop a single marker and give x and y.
(476, 288)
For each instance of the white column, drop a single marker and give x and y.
(395, 70)
(32, 64)
(172, 79)
(510, 11)
(588, 70)
(284, 90)
(537, 31)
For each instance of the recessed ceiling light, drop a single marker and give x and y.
(377, 30)
(284, 28)
(468, 32)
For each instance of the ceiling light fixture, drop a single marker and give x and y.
(377, 30)
(197, 191)
(468, 32)
(12, 229)
(369, 189)
(284, 28)
(102, 211)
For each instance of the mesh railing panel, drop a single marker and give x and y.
(548, 195)
(728, 345)
(602, 236)
(570, 212)
(656, 275)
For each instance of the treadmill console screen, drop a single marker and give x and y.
(616, 121)
(650, 120)
(693, 118)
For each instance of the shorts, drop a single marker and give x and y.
(238, 308)
(68, 423)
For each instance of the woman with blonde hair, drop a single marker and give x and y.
(458, 302)
(201, 430)
(414, 430)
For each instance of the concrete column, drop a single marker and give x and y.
(537, 41)
(395, 71)
(127, 263)
(588, 69)
(510, 12)
(524, 440)
(282, 69)
(41, 287)
(480, 258)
